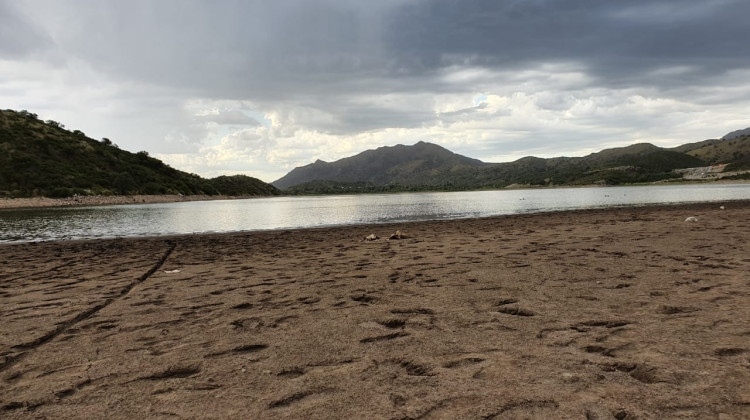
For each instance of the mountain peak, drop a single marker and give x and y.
(409, 165)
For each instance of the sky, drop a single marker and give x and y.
(259, 87)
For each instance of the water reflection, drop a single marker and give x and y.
(298, 212)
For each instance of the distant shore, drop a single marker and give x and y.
(103, 200)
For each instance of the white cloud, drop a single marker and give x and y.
(499, 128)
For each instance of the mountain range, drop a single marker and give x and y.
(42, 158)
(426, 166)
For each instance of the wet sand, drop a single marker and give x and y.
(602, 314)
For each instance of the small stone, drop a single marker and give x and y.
(570, 377)
(399, 235)
(621, 414)
(597, 412)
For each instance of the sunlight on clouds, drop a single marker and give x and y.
(448, 103)
(494, 127)
(286, 121)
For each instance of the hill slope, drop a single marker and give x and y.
(632, 164)
(40, 158)
(734, 151)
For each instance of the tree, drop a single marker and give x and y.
(123, 183)
(55, 124)
(29, 115)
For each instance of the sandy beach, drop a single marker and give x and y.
(630, 313)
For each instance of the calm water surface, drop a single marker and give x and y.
(299, 212)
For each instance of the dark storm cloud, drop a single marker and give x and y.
(618, 42)
(229, 48)
(287, 49)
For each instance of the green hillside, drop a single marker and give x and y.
(242, 185)
(734, 151)
(42, 158)
(426, 166)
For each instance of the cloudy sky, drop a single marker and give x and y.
(259, 87)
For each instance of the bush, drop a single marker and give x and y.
(153, 188)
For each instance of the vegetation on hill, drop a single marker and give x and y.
(42, 158)
(405, 165)
(735, 152)
(242, 185)
(638, 163)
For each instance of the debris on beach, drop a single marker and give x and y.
(398, 235)
(172, 271)
(691, 219)
(371, 237)
(721, 208)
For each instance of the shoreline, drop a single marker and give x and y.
(693, 208)
(601, 313)
(108, 200)
(101, 200)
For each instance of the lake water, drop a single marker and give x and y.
(300, 212)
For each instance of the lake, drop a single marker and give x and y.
(300, 212)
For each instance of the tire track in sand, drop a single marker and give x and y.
(26, 348)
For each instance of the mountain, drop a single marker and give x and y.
(411, 165)
(39, 158)
(426, 166)
(737, 133)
